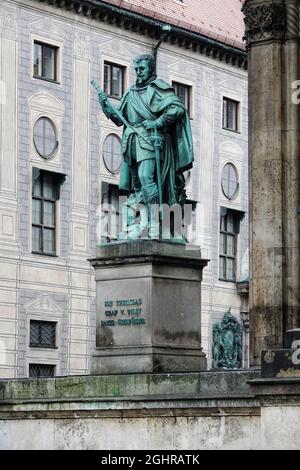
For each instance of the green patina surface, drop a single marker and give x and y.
(227, 343)
(139, 386)
(157, 148)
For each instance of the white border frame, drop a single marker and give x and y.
(50, 42)
(57, 219)
(190, 83)
(230, 95)
(115, 59)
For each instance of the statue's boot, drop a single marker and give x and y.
(151, 198)
(132, 229)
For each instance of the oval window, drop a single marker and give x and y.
(112, 153)
(230, 184)
(44, 137)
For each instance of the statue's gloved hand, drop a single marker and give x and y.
(158, 123)
(102, 98)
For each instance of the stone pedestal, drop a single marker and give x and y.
(148, 308)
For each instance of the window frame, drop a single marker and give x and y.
(40, 345)
(42, 226)
(175, 85)
(54, 151)
(225, 127)
(112, 134)
(235, 194)
(223, 257)
(53, 313)
(42, 364)
(55, 48)
(111, 66)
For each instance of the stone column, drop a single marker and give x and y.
(291, 169)
(272, 40)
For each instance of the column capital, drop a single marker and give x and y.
(264, 20)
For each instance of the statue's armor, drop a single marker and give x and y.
(140, 146)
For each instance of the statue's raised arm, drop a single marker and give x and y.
(109, 110)
(97, 87)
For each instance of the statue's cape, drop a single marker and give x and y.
(160, 96)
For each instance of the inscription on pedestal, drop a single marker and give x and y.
(124, 312)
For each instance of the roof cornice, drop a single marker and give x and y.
(106, 12)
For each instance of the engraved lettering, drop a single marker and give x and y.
(134, 311)
(108, 323)
(124, 322)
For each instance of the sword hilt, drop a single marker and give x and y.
(157, 140)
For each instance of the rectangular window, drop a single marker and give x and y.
(44, 196)
(228, 244)
(45, 61)
(184, 94)
(110, 212)
(42, 334)
(41, 370)
(231, 115)
(114, 80)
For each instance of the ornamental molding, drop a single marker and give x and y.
(8, 23)
(292, 20)
(81, 46)
(183, 69)
(208, 84)
(46, 102)
(44, 304)
(47, 27)
(264, 22)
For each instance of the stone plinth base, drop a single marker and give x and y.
(148, 308)
(192, 411)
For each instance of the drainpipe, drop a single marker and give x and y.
(165, 31)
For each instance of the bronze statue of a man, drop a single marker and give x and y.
(157, 145)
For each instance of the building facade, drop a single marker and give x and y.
(60, 156)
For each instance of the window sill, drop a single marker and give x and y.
(227, 280)
(44, 254)
(43, 348)
(117, 98)
(231, 130)
(48, 80)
